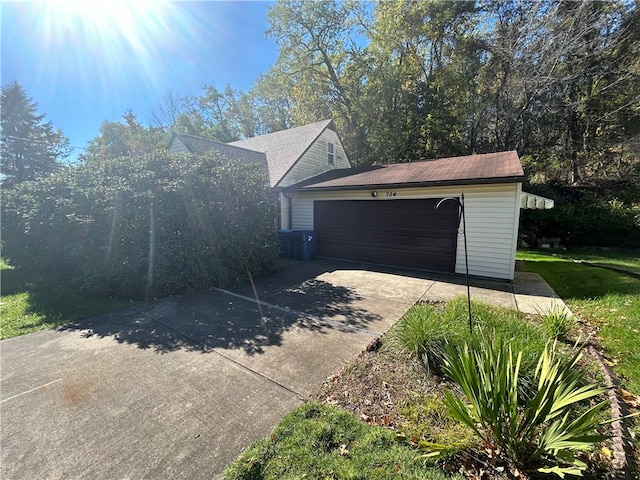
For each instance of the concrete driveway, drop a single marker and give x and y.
(179, 387)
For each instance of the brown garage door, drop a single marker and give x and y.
(405, 233)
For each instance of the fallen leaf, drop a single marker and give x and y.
(606, 452)
(629, 398)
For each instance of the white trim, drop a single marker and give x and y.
(331, 155)
(535, 202)
(516, 227)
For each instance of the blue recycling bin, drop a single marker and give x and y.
(304, 244)
(286, 247)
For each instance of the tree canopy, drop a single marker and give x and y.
(405, 80)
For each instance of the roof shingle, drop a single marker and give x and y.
(284, 148)
(200, 145)
(485, 168)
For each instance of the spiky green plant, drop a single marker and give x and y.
(557, 322)
(545, 429)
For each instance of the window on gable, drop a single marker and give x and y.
(330, 154)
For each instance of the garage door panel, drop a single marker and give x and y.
(407, 233)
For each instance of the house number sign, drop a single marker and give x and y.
(391, 194)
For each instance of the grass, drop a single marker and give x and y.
(624, 259)
(428, 420)
(319, 441)
(558, 323)
(35, 301)
(426, 328)
(608, 301)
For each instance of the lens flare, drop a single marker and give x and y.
(126, 41)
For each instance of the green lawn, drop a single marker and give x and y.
(625, 259)
(35, 301)
(607, 300)
(318, 441)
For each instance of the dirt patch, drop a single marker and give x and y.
(377, 384)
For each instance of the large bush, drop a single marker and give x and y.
(594, 216)
(145, 225)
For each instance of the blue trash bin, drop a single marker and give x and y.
(304, 244)
(286, 247)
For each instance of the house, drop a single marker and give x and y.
(289, 156)
(390, 214)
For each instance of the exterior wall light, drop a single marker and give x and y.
(374, 194)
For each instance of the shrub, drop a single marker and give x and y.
(36, 222)
(585, 216)
(544, 430)
(146, 225)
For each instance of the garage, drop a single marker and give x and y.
(407, 233)
(384, 214)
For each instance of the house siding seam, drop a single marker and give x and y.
(491, 211)
(314, 160)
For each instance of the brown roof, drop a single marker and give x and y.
(497, 167)
(284, 148)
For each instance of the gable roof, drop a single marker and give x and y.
(500, 167)
(279, 151)
(284, 148)
(202, 145)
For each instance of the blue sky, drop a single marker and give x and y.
(84, 62)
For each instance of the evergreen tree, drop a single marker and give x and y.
(30, 146)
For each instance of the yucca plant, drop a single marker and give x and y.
(557, 322)
(546, 428)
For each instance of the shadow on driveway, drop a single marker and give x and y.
(291, 298)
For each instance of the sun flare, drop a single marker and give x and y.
(122, 39)
(103, 13)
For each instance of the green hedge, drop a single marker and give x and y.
(145, 225)
(585, 216)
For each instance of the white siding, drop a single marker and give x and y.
(315, 161)
(177, 146)
(491, 211)
(285, 207)
(301, 213)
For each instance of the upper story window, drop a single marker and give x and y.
(330, 154)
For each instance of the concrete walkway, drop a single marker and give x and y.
(528, 292)
(179, 387)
